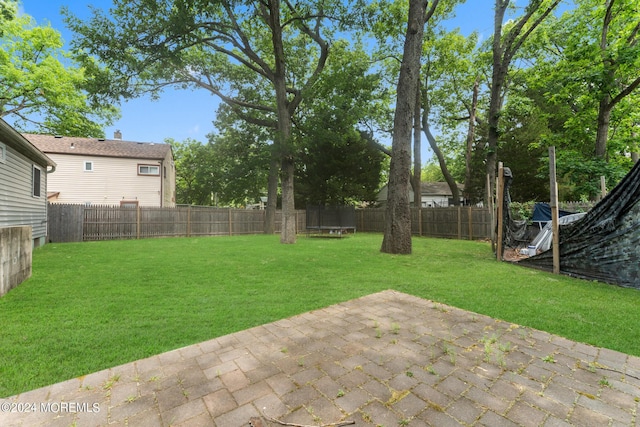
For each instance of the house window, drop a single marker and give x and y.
(88, 166)
(149, 170)
(37, 173)
(3, 153)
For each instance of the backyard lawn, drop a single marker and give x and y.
(93, 305)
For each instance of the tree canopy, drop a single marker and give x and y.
(261, 58)
(42, 87)
(308, 90)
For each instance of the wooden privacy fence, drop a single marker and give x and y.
(76, 223)
(461, 222)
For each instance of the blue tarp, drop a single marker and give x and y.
(542, 212)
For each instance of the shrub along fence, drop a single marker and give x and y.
(76, 223)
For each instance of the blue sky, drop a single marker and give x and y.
(181, 114)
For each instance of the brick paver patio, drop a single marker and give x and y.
(387, 359)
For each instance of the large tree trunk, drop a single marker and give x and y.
(397, 233)
(283, 135)
(289, 228)
(417, 160)
(605, 105)
(504, 49)
(498, 76)
(471, 135)
(602, 133)
(272, 194)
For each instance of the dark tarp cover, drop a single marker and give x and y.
(514, 232)
(605, 244)
(542, 212)
(320, 217)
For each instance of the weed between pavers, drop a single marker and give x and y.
(397, 396)
(604, 382)
(316, 418)
(495, 350)
(395, 328)
(450, 351)
(587, 395)
(110, 382)
(436, 407)
(549, 359)
(430, 369)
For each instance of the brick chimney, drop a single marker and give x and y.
(117, 135)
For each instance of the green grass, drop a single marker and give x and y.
(89, 306)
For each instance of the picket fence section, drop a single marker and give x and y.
(76, 223)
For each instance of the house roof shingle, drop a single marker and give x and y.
(98, 147)
(437, 188)
(23, 145)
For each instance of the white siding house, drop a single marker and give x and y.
(23, 183)
(434, 194)
(94, 171)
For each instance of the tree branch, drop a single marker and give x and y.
(632, 39)
(324, 53)
(380, 147)
(626, 92)
(512, 46)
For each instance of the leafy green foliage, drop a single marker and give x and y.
(522, 127)
(339, 168)
(556, 98)
(43, 89)
(195, 166)
(8, 9)
(230, 170)
(241, 153)
(579, 177)
(225, 48)
(338, 163)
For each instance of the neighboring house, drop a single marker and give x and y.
(23, 183)
(94, 171)
(434, 194)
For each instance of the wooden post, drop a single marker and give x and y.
(500, 206)
(459, 222)
(492, 214)
(470, 223)
(138, 221)
(264, 218)
(553, 185)
(603, 187)
(420, 221)
(189, 221)
(230, 224)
